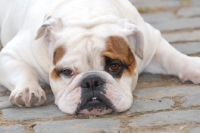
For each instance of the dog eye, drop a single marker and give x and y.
(114, 67)
(67, 72)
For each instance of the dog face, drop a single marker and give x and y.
(93, 68)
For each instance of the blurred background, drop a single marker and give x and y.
(178, 20)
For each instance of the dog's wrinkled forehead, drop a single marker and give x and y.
(76, 32)
(101, 45)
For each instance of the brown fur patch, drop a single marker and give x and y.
(58, 54)
(117, 48)
(54, 74)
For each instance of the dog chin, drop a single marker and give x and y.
(96, 106)
(96, 111)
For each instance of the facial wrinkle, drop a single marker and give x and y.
(89, 49)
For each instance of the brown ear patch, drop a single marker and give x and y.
(58, 54)
(54, 74)
(117, 48)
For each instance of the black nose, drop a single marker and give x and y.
(92, 82)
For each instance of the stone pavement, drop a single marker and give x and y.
(162, 103)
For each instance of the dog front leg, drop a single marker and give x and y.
(167, 60)
(21, 80)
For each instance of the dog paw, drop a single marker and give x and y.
(191, 71)
(28, 95)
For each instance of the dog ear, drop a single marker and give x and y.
(49, 28)
(135, 37)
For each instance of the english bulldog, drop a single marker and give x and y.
(90, 52)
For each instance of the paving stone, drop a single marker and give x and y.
(195, 2)
(4, 102)
(158, 17)
(190, 94)
(161, 132)
(32, 113)
(182, 37)
(148, 77)
(188, 48)
(178, 24)
(189, 12)
(4, 98)
(12, 129)
(79, 126)
(161, 92)
(50, 97)
(3, 89)
(195, 130)
(166, 118)
(156, 3)
(191, 100)
(142, 105)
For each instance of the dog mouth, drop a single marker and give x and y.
(95, 105)
(93, 99)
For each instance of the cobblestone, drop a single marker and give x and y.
(3, 89)
(4, 102)
(50, 97)
(158, 17)
(12, 129)
(182, 37)
(161, 92)
(79, 126)
(188, 48)
(189, 12)
(147, 77)
(159, 106)
(32, 113)
(4, 105)
(156, 3)
(166, 118)
(162, 132)
(178, 24)
(196, 2)
(191, 100)
(4, 98)
(195, 130)
(142, 105)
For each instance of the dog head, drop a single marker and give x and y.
(93, 66)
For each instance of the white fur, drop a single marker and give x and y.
(25, 61)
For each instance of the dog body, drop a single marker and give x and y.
(89, 52)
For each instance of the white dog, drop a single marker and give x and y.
(89, 51)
